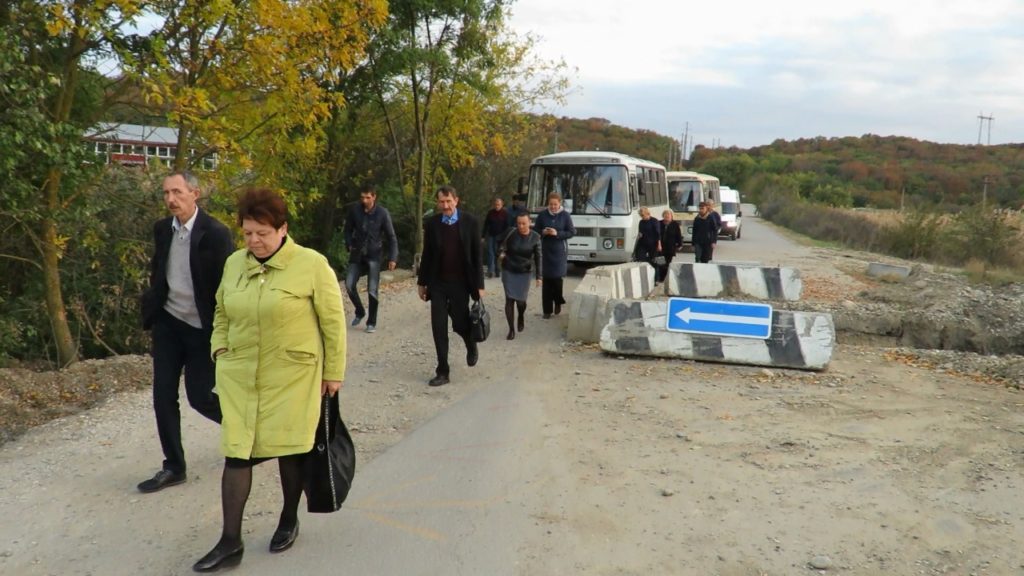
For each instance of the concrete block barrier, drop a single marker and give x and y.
(691, 280)
(588, 306)
(802, 340)
(879, 270)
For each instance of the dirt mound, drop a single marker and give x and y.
(29, 398)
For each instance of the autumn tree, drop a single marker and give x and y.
(55, 50)
(459, 77)
(249, 80)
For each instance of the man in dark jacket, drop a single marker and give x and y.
(190, 248)
(366, 226)
(496, 226)
(451, 271)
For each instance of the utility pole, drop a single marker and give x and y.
(556, 140)
(686, 135)
(981, 123)
(984, 192)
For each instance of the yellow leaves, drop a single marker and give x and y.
(58, 21)
(60, 243)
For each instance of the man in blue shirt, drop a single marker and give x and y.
(365, 228)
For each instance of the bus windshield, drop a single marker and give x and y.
(585, 189)
(684, 196)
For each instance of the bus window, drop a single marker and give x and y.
(684, 196)
(658, 177)
(585, 189)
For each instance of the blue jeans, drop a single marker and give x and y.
(492, 254)
(357, 268)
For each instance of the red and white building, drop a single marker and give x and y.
(136, 145)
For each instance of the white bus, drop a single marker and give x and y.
(686, 190)
(603, 191)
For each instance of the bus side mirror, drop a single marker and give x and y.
(521, 185)
(740, 214)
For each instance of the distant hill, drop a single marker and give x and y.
(568, 134)
(873, 171)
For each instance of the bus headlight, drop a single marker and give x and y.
(608, 243)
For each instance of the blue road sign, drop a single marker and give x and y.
(720, 318)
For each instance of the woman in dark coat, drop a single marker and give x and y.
(648, 242)
(555, 227)
(519, 255)
(671, 242)
(705, 234)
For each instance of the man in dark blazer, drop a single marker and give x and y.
(451, 272)
(190, 248)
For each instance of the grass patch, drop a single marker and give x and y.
(987, 244)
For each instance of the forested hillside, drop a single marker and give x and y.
(600, 134)
(873, 171)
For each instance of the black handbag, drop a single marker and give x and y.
(331, 464)
(479, 321)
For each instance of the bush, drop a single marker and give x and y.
(104, 269)
(992, 242)
(918, 235)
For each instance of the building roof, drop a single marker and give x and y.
(133, 133)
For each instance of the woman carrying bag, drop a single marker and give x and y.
(279, 347)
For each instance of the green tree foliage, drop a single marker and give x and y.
(444, 85)
(50, 70)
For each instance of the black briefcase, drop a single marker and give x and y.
(479, 321)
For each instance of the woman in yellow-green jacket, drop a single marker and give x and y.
(279, 345)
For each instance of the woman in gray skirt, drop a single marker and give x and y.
(520, 259)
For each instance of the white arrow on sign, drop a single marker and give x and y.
(686, 315)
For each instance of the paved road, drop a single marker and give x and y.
(448, 499)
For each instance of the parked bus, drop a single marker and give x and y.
(603, 192)
(686, 190)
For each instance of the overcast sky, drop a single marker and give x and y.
(744, 72)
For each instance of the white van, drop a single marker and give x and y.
(729, 210)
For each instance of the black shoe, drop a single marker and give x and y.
(472, 354)
(522, 324)
(511, 335)
(161, 480)
(283, 539)
(357, 320)
(439, 380)
(547, 316)
(558, 308)
(220, 558)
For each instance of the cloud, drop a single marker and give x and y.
(758, 71)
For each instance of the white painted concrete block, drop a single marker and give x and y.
(879, 270)
(694, 280)
(802, 340)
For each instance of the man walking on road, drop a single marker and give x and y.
(451, 271)
(365, 228)
(190, 248)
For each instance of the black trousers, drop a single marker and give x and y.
(702, 252)
(551, 294)
(447, 300)
(176, 347)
